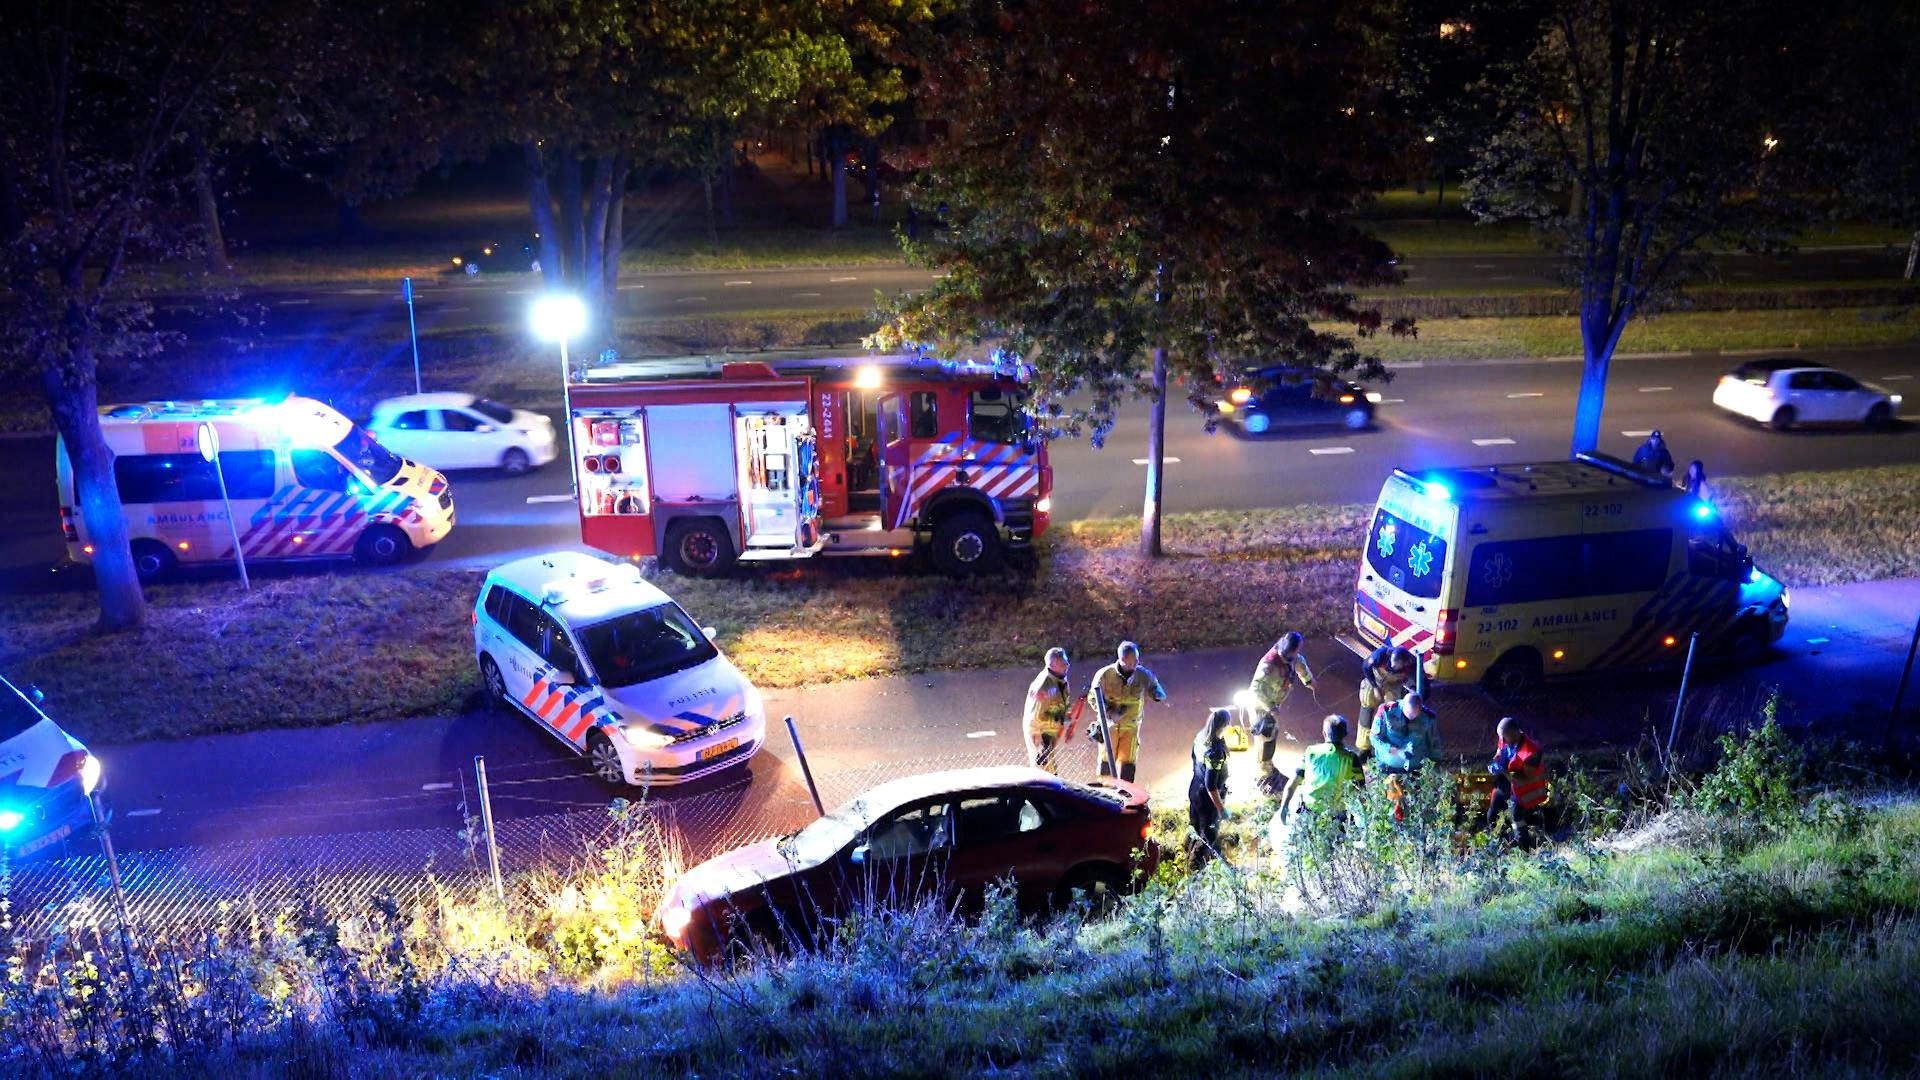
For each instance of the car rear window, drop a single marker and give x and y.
(1759, 371)
(1409, 557)
(493, 410)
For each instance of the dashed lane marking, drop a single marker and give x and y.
(361, 292)
(1655, 389)
(1897, 378)
(142, 813)
(1493, 442)
(1393, 401)
(1330, 450)
(732, 284)
(1485, 266)
(443, 786)
(837, 280)
(806, 294)
(630, 288)
(1164, 461)
(981, 734)
(1637, 434)
(532, 499)
(1530, 393)
(691, 300)
(1818, 640)
(290, 303)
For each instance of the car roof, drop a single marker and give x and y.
(1775, 364)
(621, 590)
(896, 793)
(438, 400)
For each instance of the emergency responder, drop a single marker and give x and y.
(1404, 735)
(1279, 671)
(1207, 791)
(1327, 771)
(1519, 770)
(1654, 457)
(1049, 703)
(1123, 687)
(1696, 481)
(1385, 678)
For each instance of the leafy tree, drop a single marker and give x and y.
(1634, 135)
(95, 100)
(1164, 189)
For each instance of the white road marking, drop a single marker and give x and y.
(448, 310)
(290, 303)
(731, 284)
(806, 294)
(981, 734)
(142, 813)
(436, 787)
(361, 292)
(1164, 461)
(939, 275)
(1637, 434)
(532, 499)
(1818, 640)
(1493, 442)
(837, 280)
(1330, 450)
(1897, 378)
(1530, 393)
(628, 288)
(1393, 401)
(691, 300)
(519, 292)
(1485, 266)
(1655, 389)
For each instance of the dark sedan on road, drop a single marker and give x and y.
(519, 255)
(944, 836)
(1275, 398)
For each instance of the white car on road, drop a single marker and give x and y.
(461, 431)
(613, 668)
(1786, 393)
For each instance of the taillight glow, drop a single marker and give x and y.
(1443, 627)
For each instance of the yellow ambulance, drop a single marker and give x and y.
(1509, 574)
(304, 482)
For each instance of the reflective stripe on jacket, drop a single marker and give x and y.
(1048, 701)
(1124, 694)
(1526, 770)
(1275, 678)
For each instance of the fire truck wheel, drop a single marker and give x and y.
(151, 560)
(699, 546)
(965, 544)
(382, 545)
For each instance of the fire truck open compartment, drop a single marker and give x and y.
(714, 460)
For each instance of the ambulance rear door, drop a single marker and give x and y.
(1405, 569)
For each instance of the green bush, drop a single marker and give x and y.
(1758, 778)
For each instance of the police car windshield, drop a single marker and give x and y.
(361, 451)
(16, 715)
(645, 644)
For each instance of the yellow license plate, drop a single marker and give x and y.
(53, 837)
(717, 749)
(1373, 627)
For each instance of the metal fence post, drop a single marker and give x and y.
(1900, 694)
(805, 770)
(1680, 702)
(486, 822)
(113, 875)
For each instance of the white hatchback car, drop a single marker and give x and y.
(1787, 393)
(613, 668)
(461, 431)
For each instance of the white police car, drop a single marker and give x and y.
(46, 779)
(614, 668)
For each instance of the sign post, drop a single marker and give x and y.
(413, 330)
(209, 440)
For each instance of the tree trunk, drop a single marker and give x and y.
(616, 240)
(74, 405)
(572, 224)
(706, 194)
(1598, 336)
(1156, 458)
(216, 240)
(593, 256)
(540, 204)
(838, 164)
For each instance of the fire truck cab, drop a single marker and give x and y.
(705, 461)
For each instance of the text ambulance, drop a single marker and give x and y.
(706, 462)
(1511, 573)
(304, 483)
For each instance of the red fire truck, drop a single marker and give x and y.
(707, 461)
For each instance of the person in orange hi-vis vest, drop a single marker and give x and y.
(1519, 769)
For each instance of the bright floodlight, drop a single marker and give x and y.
(559, 317)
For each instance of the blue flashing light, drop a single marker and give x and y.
(1438, 491)
(10, 820)
(1702, 511)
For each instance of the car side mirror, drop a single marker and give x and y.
(711, 632)
(858, 856)
(38, 695)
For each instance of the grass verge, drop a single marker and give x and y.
(1711, 936)
(1679, 332)
(218, 660)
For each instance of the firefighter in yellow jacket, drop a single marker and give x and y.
(1048, 713)
(1123, 687)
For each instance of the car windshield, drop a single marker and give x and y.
(16, 715)
(646, 644)
(493, 411)
(361, 451)
(826, 836)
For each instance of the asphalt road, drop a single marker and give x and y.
(1445, 414)
(449, 300)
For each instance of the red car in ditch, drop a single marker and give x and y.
(944, 836)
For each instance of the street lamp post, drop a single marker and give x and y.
(562, 317)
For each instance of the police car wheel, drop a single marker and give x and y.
(515, 461)
(382, 545)
(496, 683)
(965, 544)
(605, 759)
(151, 560)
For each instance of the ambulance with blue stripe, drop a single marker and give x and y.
(303, 481)
(1511, 574)
(614, 669)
